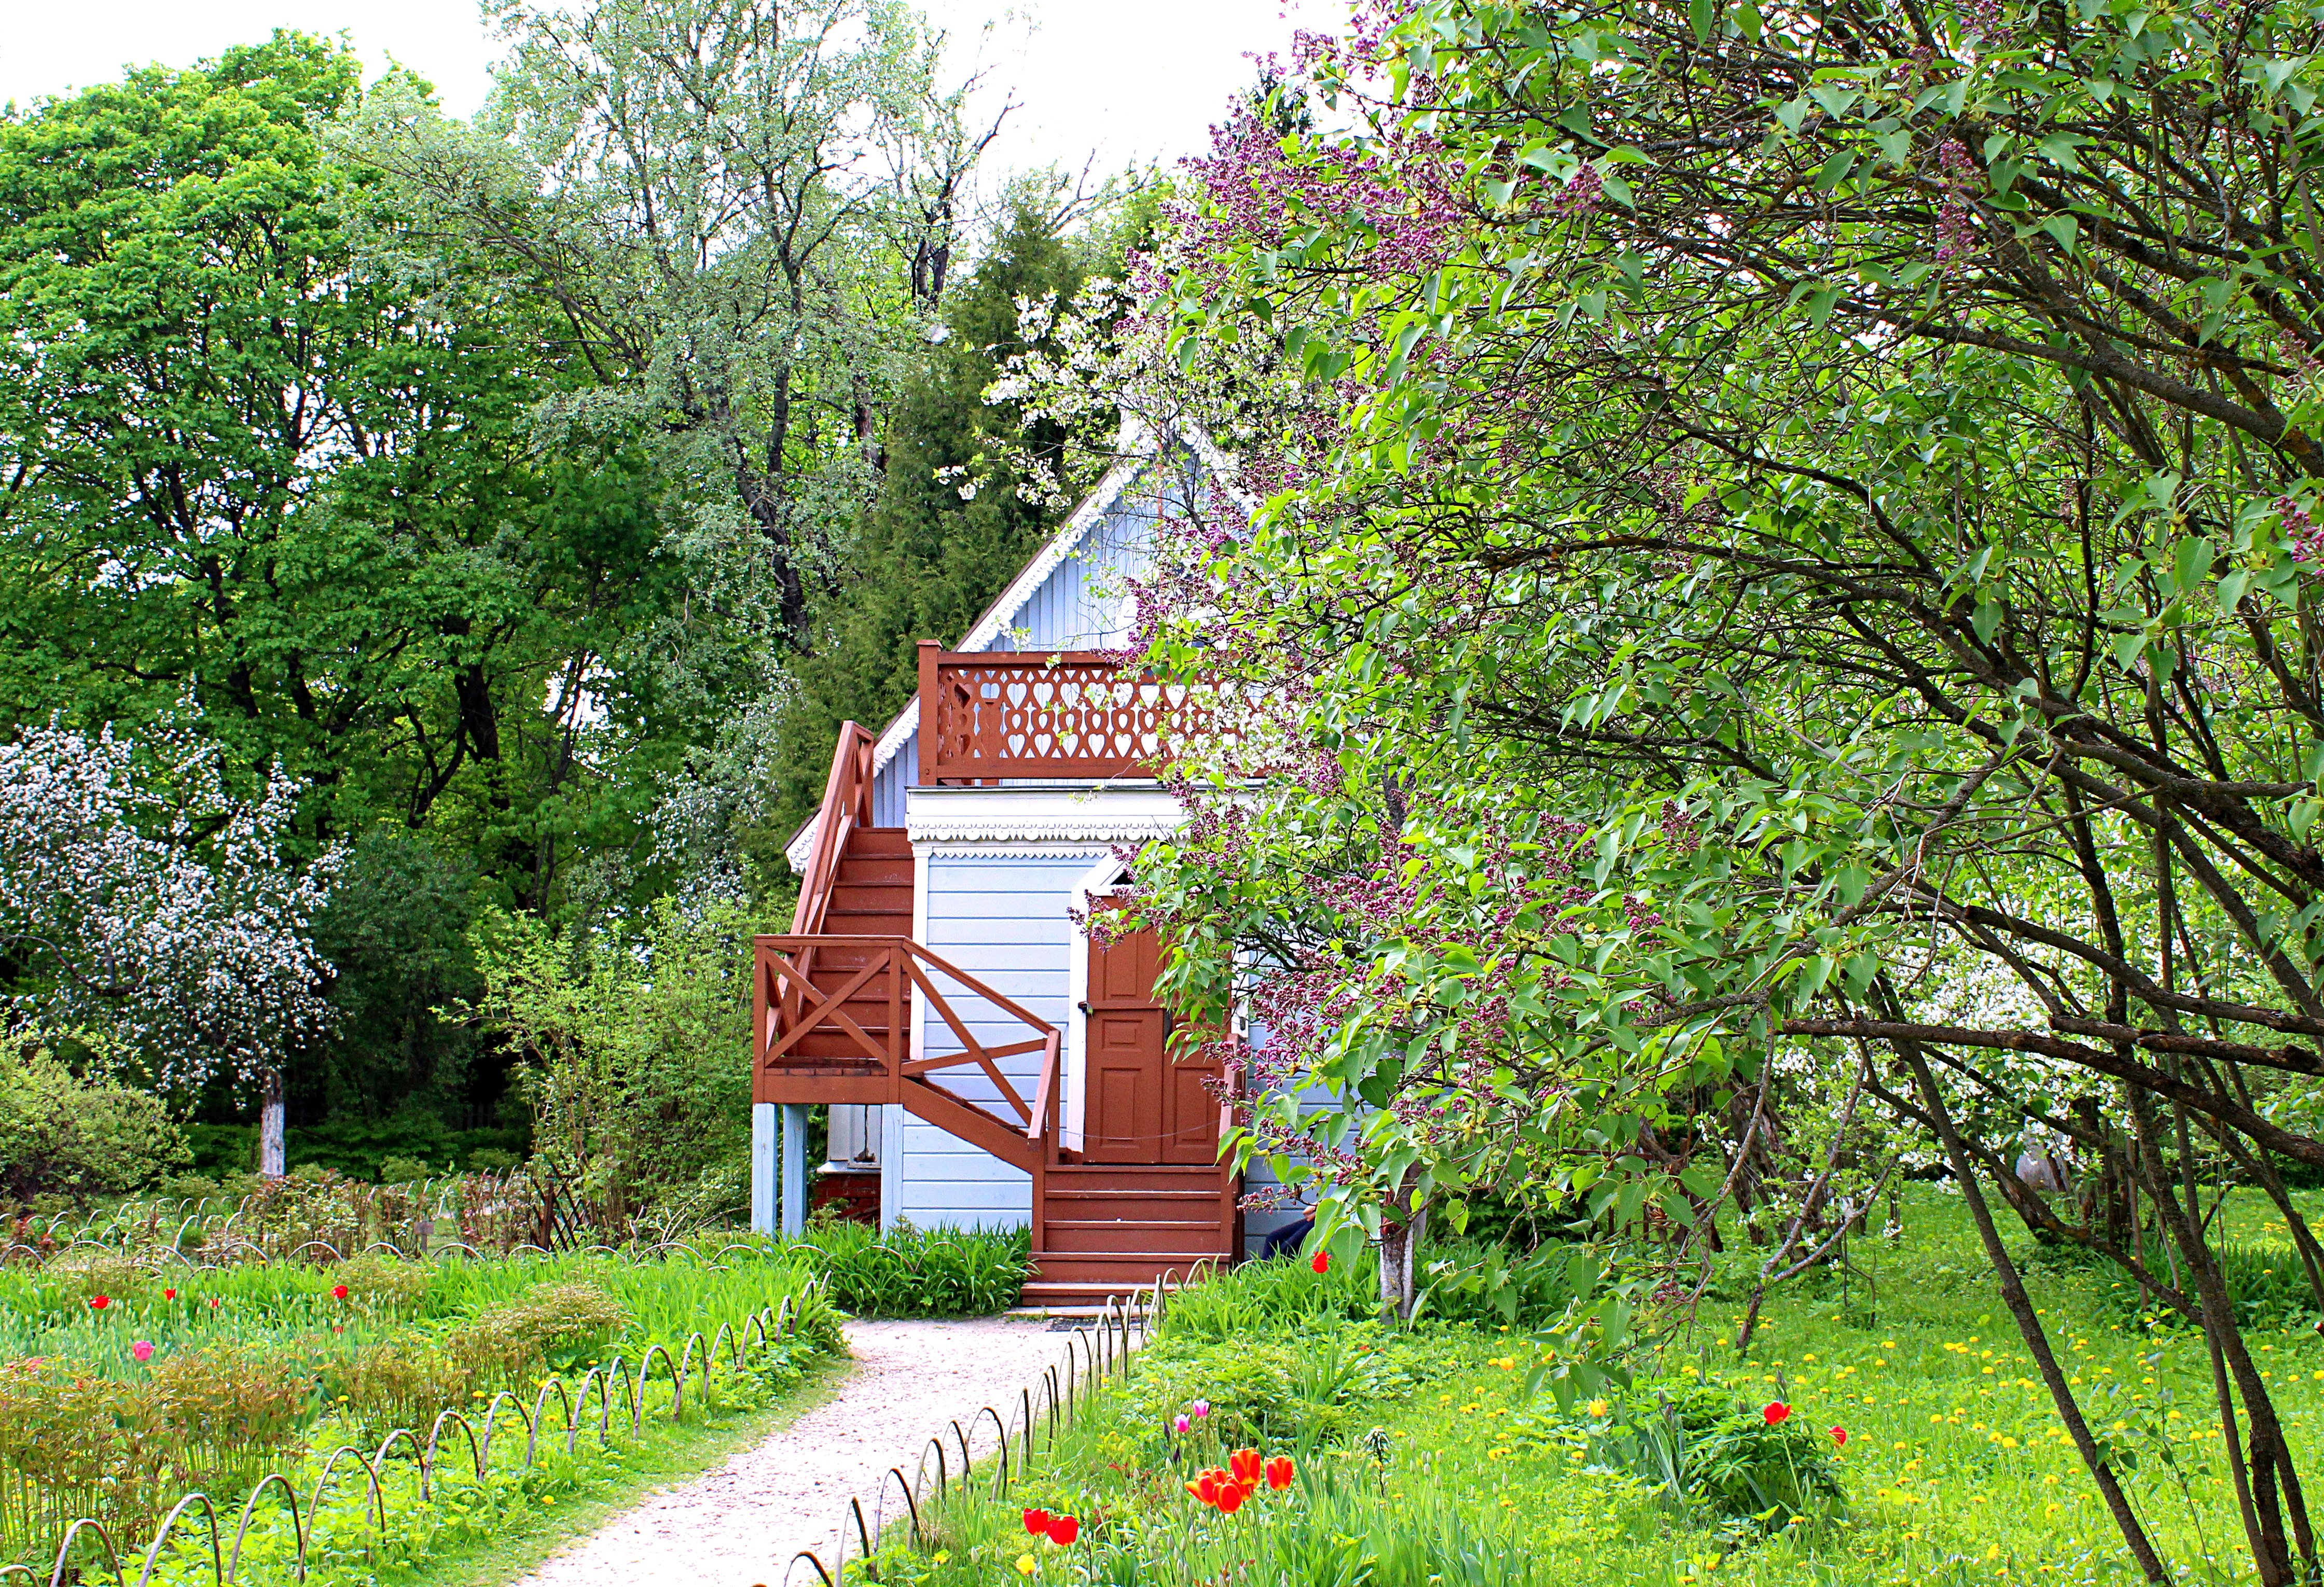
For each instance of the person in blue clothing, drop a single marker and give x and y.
(1286, 1241)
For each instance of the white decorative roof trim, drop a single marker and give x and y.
(943, 818)
(1139, 447)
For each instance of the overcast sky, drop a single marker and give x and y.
(1126, 82)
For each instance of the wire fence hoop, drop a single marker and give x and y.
(161, 1536)
(72, 1533)
(807, 1555)
(935, 1443)
(540, 1409)
(1000, 1477)
(376, 1500)
(678, 1385)
(911, 1504)
(476, 1455)
(492, 1420)
(249, 1508)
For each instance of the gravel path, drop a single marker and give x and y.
(740, 1524)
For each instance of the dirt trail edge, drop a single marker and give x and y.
(742, 1524)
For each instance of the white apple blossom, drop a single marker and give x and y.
(138, 896)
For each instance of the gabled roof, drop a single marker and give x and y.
(1139, 447)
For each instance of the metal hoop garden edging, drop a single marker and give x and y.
(1141, 1310)
(761, 1329)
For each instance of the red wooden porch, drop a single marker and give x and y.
(1143, 1191)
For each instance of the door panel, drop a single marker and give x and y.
(1142, 1107)
(1126, 1102)
(1191, 1124)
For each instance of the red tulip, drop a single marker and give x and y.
(1280, 1471)
(1230, 1498)
(214, 1303)
(168, 1295)
(1062, 1530)
(1244, 1464)
(1840, 1437)
(338, 1292)
(1321, 1261)
(1775, 1412)
(99, 1302)
(1205, 1485)
(1037, 1521)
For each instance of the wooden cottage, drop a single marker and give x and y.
(985, 1061)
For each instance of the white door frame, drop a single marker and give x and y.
(1098, 881)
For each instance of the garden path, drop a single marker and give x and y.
(740, 1524)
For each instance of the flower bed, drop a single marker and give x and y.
(124, 1386)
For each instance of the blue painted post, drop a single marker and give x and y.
(793, 1168)
(762, 1168)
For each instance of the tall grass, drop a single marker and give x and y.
(908, 1272)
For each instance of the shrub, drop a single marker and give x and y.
(402, 1170)
(491, 1159)
(1310, 1386)
(383, 1282)
(553, 1322)
(1261, 1298)
(62, 1135)
(1708, 1454)
(909, 1272)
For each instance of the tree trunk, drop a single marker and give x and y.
(1399, 1252)
(269, 1123)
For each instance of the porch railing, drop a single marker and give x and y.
(835, 1012)
(997, 714)
(846, 806)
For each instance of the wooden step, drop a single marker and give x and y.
(883, 841)
(1206, 1177)
(1122, 1237)
(1077, 1200)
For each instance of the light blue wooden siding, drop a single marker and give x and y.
(1003, 921)
(1085, 604)
(889, 783)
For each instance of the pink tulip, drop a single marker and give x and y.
(142, 1349)
(1179, 1423)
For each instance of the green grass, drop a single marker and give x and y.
(532, 1527)
(1425, 1463)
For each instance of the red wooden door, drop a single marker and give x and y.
(1142, 1107)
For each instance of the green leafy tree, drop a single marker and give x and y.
(247, 474)
(629, 1042)
(1784, 583)
(961, 505)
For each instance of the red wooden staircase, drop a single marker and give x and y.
(1104, 1229)
(833, 1014)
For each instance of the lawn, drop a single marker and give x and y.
(1422, 1458)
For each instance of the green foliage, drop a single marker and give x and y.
(63, 1136)
(629, 1042)
(395, 932)
(1707, 1451)
(909, 1272)
(967, 494)
(1477, 1281)
(1260, 1299)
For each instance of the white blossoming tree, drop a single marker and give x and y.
(138, 896)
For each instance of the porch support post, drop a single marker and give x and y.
(793, 1168)
(762, 1168)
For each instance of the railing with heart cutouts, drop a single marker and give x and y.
(1002, 714)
